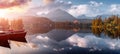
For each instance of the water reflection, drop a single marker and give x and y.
(68, 41)
(65, 39)
(112, 33)
(109, 26)
(62, 32)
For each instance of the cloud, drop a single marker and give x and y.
(93, 9)
(78, 10)
(88, 42)
(91, 41)
(95, 4)
(53, 4)
(56, 4)
(77, 41)
(47, 2)
(12, 3)
(90, 9)
(114, 9)
(69, 2)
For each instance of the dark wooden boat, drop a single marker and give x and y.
(14, 36)
(4, 40)
(11, 30)
(17, 36)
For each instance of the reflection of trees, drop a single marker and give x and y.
(112, 33)
(96, 31)
(67, 26)
(110, 26)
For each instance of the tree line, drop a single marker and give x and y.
(109, 25)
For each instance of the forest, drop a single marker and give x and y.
(109, 26)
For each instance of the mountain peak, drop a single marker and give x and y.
(58, 10)
(59, 15)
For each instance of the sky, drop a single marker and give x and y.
(77, 2)
(76, 8)
(86, 1)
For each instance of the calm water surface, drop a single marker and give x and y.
(74, 41)
(68, 41)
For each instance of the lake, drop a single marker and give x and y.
(72, 41)
(68, 41)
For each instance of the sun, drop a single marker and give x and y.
(3, 12)
(7, 11)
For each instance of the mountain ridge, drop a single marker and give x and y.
(59, 15)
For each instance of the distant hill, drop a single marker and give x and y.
(33, 24)
(59, 15)
(85, 17)
(35, 19)
(103, 16)
(85, 20)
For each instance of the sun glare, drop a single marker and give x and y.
(3, 12)
(6, 12)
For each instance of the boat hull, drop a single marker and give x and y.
(20, 36)
(4, 41)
